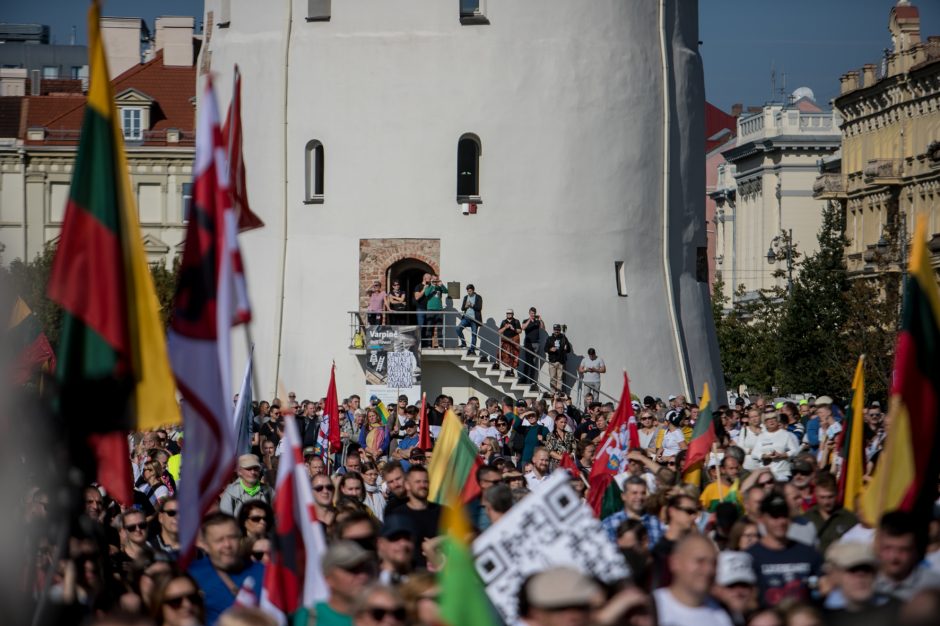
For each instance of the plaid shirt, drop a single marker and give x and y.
(654, 527)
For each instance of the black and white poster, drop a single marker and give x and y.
(393, 363)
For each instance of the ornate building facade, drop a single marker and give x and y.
(889, 171)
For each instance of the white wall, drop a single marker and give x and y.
(567, 99)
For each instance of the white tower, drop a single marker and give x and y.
(588, 121)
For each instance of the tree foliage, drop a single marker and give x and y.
(808, 340)
(28, 280)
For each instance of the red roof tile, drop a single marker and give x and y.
(172, 88)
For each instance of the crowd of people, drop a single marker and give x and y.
(759, 538)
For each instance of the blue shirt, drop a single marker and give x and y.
(812, 433)
(654, 527)
(218, 597)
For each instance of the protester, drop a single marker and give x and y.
(246, 487)
(557, 596)
(687, 599)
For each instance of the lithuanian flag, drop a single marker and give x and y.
(853, 467)
(112, 351)
(454, 463)
(906, 475)
(703, 436)
(28, 342)
(463, 598)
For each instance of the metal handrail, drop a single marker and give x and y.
(489, 347)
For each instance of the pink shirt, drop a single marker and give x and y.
(377, 302)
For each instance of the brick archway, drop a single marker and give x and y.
(376, 256)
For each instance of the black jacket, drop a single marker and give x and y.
(477, 307)
(564, 348)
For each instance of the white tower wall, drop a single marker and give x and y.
(568, 101)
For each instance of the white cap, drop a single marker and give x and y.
(735, 567)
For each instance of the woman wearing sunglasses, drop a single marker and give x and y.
(255, 519)
(177, 602)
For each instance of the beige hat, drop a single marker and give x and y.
(344, 555)
(246, 461)
(851, 554)
(561, 587)
(823, 400)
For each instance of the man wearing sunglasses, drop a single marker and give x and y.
(784, 567)
(246, 487)
(168, 539)
(379, 606)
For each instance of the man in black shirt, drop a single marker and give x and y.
(785, 569)
(557, 348)
(532, 328)
(423, 517)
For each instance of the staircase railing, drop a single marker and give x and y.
(443, 335)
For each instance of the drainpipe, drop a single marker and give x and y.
(280, 316)
(25, 206)
(667, 265)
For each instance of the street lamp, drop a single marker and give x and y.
(774, 255)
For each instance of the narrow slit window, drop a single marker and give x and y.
(314, 166)
(468, 169)
(621, 277)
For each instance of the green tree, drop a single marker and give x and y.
(812, 340)
(28, 279)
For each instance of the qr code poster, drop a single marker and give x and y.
(549, 527)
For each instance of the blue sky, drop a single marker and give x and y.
(812, 41)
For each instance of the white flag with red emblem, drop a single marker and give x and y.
(294, 577)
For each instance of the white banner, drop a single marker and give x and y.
(549, 527)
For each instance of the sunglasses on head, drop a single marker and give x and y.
(177, 601)
(135, 527)
(378, 613)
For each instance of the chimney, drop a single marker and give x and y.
(848, 82)
(175, 38)
(904, 25)
(122, 37)
(868, 74)
(13, 81)
(736, 109)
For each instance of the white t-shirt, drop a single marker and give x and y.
(479, 433)
(592, 377)
(671, 441)
(780, 440)
(671, 613)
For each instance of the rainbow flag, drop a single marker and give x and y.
(380, 407)
(906, 475)
(454, 463)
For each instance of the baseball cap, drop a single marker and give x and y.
(247, 461)
(561, 587)
(734, 568)
(671, 398)
(417, 453)
(344, 555)
(556, 326)
(850, 554)
(396, 526)
(775, 505)
(520, 404)
(822, 400)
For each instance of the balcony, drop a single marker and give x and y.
(828, 187)
(884, 171)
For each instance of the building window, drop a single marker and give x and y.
(318, 10)
(50, 71)
(621, 276)
(469, 150)
(313, 172)
(131, 123)
(473, 12)
(187, 200)
(75, 71)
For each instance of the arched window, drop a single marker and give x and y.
(469, 150)
(313, 172)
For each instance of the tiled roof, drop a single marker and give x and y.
(172, 88)
(49, 86)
